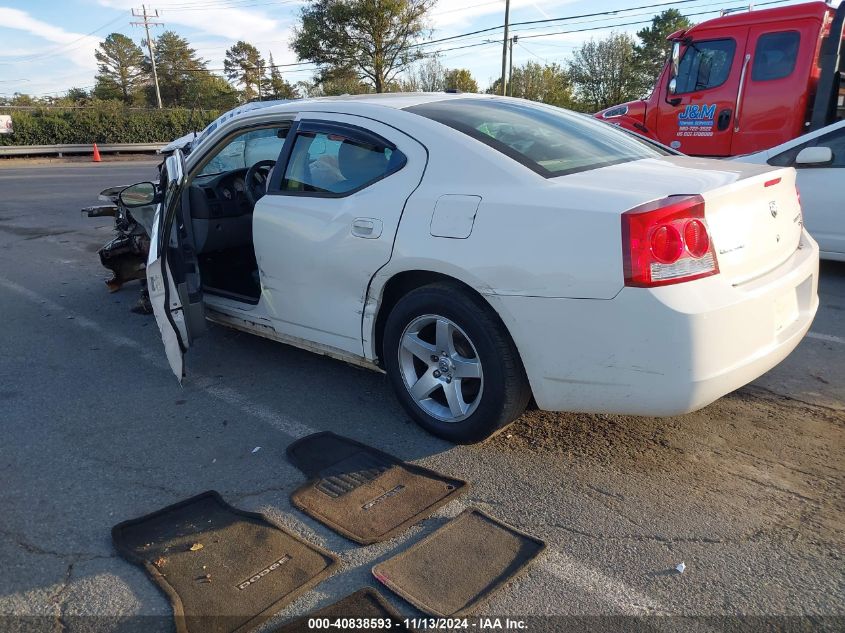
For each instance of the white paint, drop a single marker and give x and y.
(830, 338)
(820, 186)
(547, 255)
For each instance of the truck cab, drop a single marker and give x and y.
(742, 83)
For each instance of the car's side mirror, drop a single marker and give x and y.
(673, 86)
(141, 194)
(814, 156)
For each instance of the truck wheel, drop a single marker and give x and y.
(452, 364)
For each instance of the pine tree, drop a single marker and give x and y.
(120, 68)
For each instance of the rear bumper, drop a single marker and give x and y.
(662, 351)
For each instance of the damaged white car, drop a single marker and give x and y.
(483, 252)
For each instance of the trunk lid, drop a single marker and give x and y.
(754, 227)
(755, 224)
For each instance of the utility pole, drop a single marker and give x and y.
(514, 40)
(505, 47)
(142, 13)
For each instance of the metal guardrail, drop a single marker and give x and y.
(61, 150)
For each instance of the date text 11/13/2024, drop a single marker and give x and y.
(419, 624)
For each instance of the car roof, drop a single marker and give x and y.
(395, 100)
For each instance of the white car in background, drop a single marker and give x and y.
(819, 158)
(481, 251)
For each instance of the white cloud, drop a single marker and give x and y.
(455, 13)
(76, 47)
(231, 22)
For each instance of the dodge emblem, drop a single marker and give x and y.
(773, 208)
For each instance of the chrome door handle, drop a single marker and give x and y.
(368, 228)
(738, 108)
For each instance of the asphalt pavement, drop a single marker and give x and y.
(749, 493)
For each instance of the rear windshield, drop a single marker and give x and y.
(549, 140)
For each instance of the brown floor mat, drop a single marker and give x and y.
(367, 604)
(454, 570)
(223, 569)
(363, 493)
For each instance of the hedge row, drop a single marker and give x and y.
(104, 123)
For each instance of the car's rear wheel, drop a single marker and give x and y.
(452, 364)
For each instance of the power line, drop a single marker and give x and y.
(599, 28)
(570, 17)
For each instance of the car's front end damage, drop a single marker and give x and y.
(125, 255)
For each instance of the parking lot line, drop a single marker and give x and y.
(830, 338)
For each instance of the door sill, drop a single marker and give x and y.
(265, 330)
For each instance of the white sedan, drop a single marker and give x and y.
(483, 251)
(819, 158)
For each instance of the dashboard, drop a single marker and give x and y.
(221, 214)
(220, 195)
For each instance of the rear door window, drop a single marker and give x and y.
(548, 140)
(337, 163)
(775, 55)
(705, 65)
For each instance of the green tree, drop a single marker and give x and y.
(460, 79)
(371, 38)
(76, 95)
(545, 83)
(603, 72)
(120, 69)
(342, 82)
(245, 66)
(276, 86)
(179, 70)
(211, 92)
(651, 53)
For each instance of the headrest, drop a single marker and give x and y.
(360, 164)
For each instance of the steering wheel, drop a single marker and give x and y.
(255, 181)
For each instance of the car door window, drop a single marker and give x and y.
(834, 140)
(328, 163)
(246, 149)
(775, 55)
(705, 65)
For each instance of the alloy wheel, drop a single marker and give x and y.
(441, 368)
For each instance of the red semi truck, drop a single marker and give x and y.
(744, 82)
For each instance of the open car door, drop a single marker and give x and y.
(173, 271)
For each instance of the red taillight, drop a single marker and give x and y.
(666, 242)
(696, 238)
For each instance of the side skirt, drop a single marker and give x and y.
(266, 331)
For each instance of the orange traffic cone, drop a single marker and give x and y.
(97, 158)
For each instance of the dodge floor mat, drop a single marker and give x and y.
(364, 494)
(455, 569)
(223, 569)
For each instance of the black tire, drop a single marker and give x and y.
(505, 392)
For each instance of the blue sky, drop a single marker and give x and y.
(47, 47)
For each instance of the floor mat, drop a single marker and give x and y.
(223, 569)
(366, 604)
(363, 493)
(457, 568)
